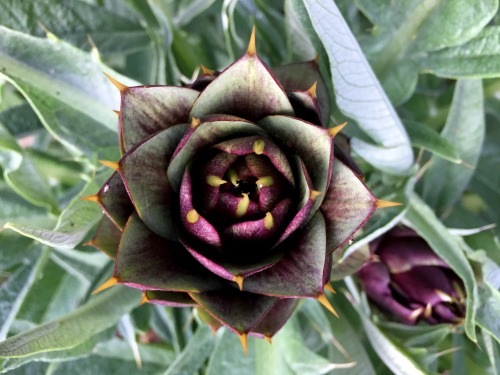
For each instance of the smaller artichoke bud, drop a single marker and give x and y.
(407, 279)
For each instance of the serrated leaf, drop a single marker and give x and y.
(359, 93)
(444, 183)
(423, 220)
(73, 329)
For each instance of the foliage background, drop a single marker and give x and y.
(434, 90)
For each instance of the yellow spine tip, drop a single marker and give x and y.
(207, 71)
(108, 284)
(144, 299)
(316, 59)
(269, 221)
(195, 122)
(91, 198)
(239, 280)
(110, 164)
(313, 194)
(243, 204)
(312, 90)
(244, 342)
(324, 301)
(215, 181)
(332, 132)
(383, 204)
(258, 146)
(268, 339)
(428, 310)
(330, 288)
(120, 86)
(416, 313)
(117, 112)
(88, 243)
(252, 50)
(192, 216)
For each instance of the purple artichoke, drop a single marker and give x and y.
(228, 196)
(408, 280)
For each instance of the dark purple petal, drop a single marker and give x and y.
(229, 270)
(114, 200)
(107, 237)
(423, 283)
(193, 222)
(239, 311)
(149, 262)
(146, 110)
(347, 206)
(400, 254)
(172, 299)
(257, 145)
(300, 77)
(300, 272)
(211, 131)
(276, 318)
(376, 282)
(262, 229)
(143, 170)
(311, 143)
(246, 89)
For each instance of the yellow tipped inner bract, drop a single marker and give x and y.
(243, 204)
(192, 216)
(258, 146)
(314, 194)
(233, 177)
(215, 181)
(269, 221)
(264, 181)
(195, 122)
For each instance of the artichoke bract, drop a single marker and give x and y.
(228, 196)
(409, 281)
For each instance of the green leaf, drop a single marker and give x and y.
(20, 120)
(227, 355)
(489, 310)
(288, 355)
(359, 93)
(444, 183)
(478, 58)
(73, 329)
(15, 288)
(427, 138)
(73, 224)
(22, 175)
(194, 354)
(395, 357)
(16, 208)
(428, 226)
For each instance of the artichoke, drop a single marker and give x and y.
(409, 281)
(228, 196)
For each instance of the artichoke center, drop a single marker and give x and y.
(245, 186)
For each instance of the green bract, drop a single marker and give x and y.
(228, 196)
